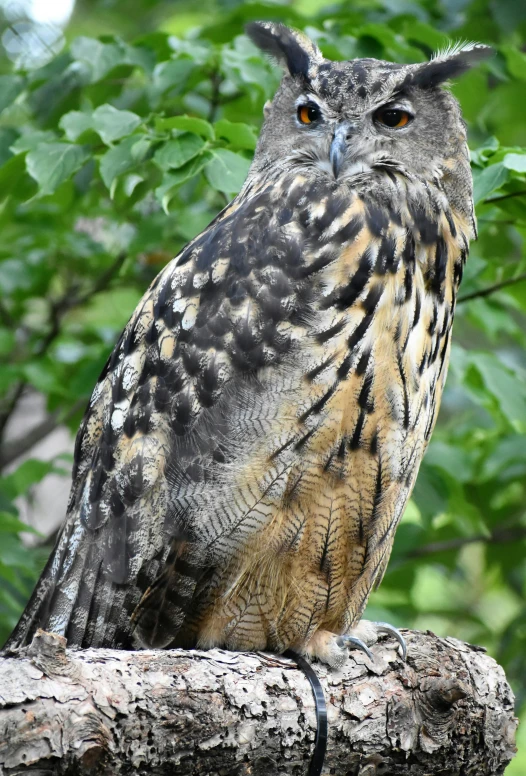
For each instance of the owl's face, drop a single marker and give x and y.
(364, 116)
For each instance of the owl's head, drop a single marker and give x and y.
(363, 116)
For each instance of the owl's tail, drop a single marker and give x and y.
(78, 597)
(158, 619)
(74, 598)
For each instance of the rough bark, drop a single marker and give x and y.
(448, 710)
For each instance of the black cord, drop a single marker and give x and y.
(320, 743)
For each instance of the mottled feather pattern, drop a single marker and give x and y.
(250, 447)
(274, 408)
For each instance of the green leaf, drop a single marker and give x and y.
(227, 171)
(450, 458)
(129, 153)
(11, 524)
(481, 154)
(238, 134)
(44, 377)
(506, 387)
(516, 162)
(178, 151)
(99, 58)
(50, 164)
(10, 88)
(25, 476)
(173, 180)
(172, 75)
(516, 62)
(506, 460)
(112, 124)
(32, 139)
(7, 137)
(75, 123)
(7, 341)
(186, 124)
(488, 180)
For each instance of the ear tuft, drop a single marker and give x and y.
(288, 48)
(450, 63)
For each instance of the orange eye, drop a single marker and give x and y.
(392, 117)
(308, 113)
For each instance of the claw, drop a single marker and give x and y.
(384, 627)
(354, 643)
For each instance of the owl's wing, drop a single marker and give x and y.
(327, 441)
(303, 332)
(220, 312)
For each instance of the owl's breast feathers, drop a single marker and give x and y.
(262, 419)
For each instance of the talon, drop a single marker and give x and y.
(354, 643)
(384, 627)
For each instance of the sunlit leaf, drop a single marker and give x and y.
(130, 152)
(176, 152)
(488, 180)
(186, 124)
(227, 171)
(238, 134)
(112, 124)
(50, 164)
(10, 88)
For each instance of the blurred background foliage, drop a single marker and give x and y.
(124, 128)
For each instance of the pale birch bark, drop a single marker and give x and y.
(448, 710)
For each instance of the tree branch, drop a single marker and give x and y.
(497, 537)
(70, 300)
(58, 310)
(5, 316)
(505, 196)
(216, 80)
(448, 710)
(492, 289)
(14, 448)
(10, 404)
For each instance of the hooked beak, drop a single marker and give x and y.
(339, 146)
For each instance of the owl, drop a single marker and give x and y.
(255, 435)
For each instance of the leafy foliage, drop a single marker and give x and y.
(117, 152)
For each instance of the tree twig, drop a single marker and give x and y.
(14, 448)
(505, 196)
(10, 404)
(216, 81)
(497, 537)
(58, 310)
(5, 316)
(492, 289)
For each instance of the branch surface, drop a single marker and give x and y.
(448, 710)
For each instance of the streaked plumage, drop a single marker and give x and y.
(252, 442)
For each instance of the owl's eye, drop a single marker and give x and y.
(308, 113)
(392, 117)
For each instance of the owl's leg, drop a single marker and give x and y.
(332, 649)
